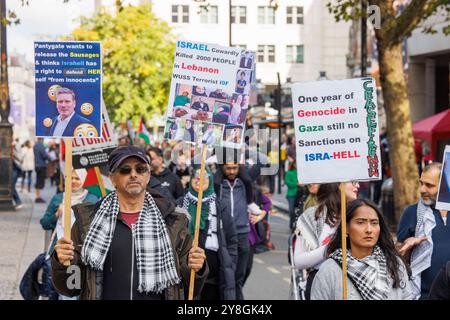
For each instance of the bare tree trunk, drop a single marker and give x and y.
(401, 142)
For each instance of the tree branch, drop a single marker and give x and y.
(416, 12)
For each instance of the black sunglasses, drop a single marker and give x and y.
(127, 170)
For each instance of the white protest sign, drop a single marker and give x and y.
(94, 152)
(209, 94)
(336, 131)
(443, 197)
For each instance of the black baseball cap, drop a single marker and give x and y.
(124, 152)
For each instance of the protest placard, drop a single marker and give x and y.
(68, 89)
(94, 152)
(209, 94)
(443, 196)
(336, 130)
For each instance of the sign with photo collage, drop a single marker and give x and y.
(209, 94)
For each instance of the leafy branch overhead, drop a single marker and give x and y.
(138, 51)
(395, 27)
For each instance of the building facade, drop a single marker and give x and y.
(428, 69)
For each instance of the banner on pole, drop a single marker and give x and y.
(94, 152)
(209, 94)
(336, 131)
(443, 196)
(68, 89)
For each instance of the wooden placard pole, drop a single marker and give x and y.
(68, 191)
(100, 181)
(197, 220)
(344, 241)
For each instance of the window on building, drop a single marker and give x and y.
(294, 54)
(266, 15)
(294, 15)
(180, 14)
(265, 53)
(239, 14)
(209, 14)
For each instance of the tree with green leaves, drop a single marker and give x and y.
(138, 50)
(394, 29)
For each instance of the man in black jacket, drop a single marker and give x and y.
(132, 244)
(167, 178)
(233, 186)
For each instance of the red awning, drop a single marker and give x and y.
(434, 128)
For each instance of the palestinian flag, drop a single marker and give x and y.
(143, 132)
(91, 182)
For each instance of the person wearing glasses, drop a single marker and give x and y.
(132, 244)
(316, 227)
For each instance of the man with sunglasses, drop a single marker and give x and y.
(132, 244)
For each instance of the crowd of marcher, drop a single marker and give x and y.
(152, 214)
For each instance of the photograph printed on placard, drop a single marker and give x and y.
(443, 197)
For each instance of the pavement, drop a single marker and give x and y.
(21, 241)
(279, 200)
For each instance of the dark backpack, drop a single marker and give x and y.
(31, 288)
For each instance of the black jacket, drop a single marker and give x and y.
(227, 254)
(440, 289)
(93, 284)
(156, 185)
(171, 181)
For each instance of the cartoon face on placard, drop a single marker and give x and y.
(85, 130)
(52, 91)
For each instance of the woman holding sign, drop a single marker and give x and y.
(316, 227)
(375, 269)
(217, 236)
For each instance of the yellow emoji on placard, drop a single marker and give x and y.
(52, 91)
(47, 122)
(86, 108)
(85, 130)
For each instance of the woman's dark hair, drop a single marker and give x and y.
(329, 196)
(385, 241)
(292, 165)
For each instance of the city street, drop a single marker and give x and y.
(271, 268)
(22, 239)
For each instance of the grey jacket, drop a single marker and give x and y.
(327, 285)
(234, 202)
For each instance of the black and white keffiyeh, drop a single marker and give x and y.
(154, 255)
(212, 242)
(421, 255)
(369, 275)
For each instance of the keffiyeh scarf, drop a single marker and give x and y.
(421, 254)
(154, 255)
(369, 275)
(190, 202)
(308, 229)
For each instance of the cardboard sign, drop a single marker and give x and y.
(68, 89)
(94, 152)
(336, 131)
(209, 94)
(443, 196)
